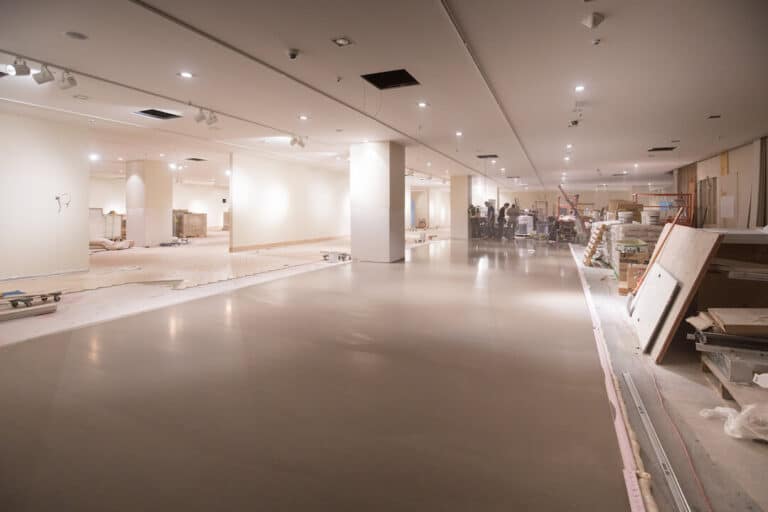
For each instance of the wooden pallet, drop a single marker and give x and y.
(742, 394)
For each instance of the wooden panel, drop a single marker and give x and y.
(741, 321)
(724, 164)
(686, 255)
(652, 303)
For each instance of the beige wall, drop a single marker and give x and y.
(202, 199)
(107, 194)
(42, 159)
(276, 202)
(439, 208)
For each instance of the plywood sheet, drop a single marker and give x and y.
(652, 303)
(686, 256)
(741, 321)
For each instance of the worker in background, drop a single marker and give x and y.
(490, 217)
(474, 220)
(502, 220)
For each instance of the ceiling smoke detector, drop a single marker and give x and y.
(593, 20)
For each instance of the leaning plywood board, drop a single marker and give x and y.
(653, 300)
(741, 321)
(685, 255)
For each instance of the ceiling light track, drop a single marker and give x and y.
(224, 44)
(70, 71)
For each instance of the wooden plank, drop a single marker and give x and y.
(686, 255)
(743, 394)
(652, 304)
(741, 321)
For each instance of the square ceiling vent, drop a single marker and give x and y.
(390, 79)
(156, 113)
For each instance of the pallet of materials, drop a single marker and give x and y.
(186, 224)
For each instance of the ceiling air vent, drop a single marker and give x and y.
(156, 113)
(195, 159)
(714, 116)
(490, 155)
(656, 149)
(390, 79)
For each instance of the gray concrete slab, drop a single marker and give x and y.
(463, 379)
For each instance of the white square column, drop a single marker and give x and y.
(377, 197)
(461, 196)
(148, 202)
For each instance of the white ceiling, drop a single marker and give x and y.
(661, 69)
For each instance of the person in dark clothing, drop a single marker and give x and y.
(502, 220)
(490, 216)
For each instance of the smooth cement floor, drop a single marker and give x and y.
(465, 379)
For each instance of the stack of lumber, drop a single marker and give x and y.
(741, 321)
(744, 270)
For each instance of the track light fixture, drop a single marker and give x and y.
(67, 80)
(200, 116)
(44, 76)
(212, 119)
(18, 68)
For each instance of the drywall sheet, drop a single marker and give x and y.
(652, 304)
(686, 256)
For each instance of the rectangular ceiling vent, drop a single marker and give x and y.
(390, 79)
(656, 149)
(156, 113)
(714, 116)
(513, 177)
(490, 155)
(196, 159)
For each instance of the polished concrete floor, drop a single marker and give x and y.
(463, 379)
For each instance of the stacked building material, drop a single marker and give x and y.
(646, 233)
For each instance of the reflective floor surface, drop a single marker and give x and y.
(463, 379)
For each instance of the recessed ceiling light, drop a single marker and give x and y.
(173, 166)
(342, 41)
(493, 162)
(579, 88)
(564, 173)
(503, 169)
(423, 104)
(76, 35)
(94, 157)
(162, 155)
(459, 134)
(569, 146)
(303, 117)
(649, 183)
(120, 159)
(429, 164)
(185, 74)
(228, 172)
(567, 158)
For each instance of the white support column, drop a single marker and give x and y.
(377, 196)
(461, 194)
(149, 202)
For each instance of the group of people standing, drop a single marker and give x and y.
(496, 223)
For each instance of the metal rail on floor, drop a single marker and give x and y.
(674, 485)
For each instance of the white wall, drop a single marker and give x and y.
(202, 199)
(149, 202)
(439, 208)
(275, 201)
(107, 194)
(41, 159)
